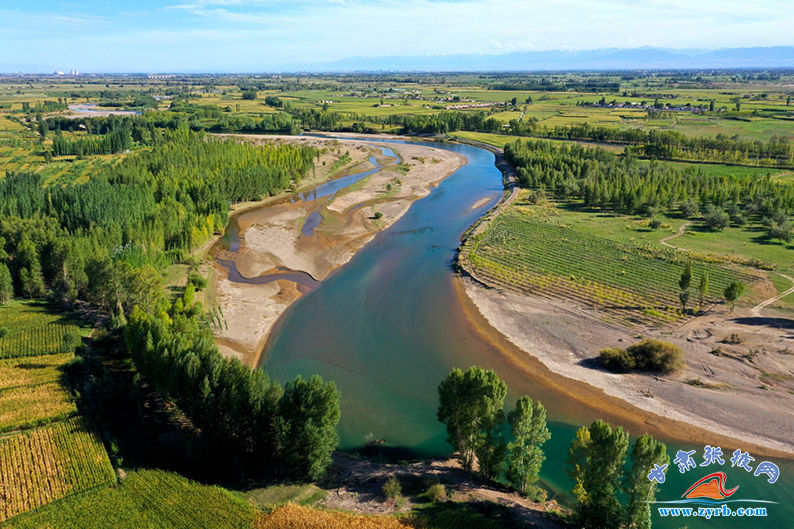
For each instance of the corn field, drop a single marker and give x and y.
(48, 463)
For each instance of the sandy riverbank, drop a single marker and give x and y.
(561, 341)
(272, 238)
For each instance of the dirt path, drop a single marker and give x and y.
(756, 311)
(681, 231)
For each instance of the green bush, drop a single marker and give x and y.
(3, 332)
(616, 360)
(647, 355)
(655, 355)
(199, 281)
(392, 489)
(436, 493)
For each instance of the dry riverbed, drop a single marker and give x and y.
(272, 238)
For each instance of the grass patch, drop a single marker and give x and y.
(698, 383)
(280, 494)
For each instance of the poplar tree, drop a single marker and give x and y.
(6, 285)
(469, 406)
(595, 464)
(528, 421)
(645, 453)
(684, 283)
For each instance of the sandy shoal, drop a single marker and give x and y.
(271, 238)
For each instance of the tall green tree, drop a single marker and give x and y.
(6, 285)
(31, 280)
(528, 422)
(468, 405)
(309, 411)
(491, 447)
(684, 283)
(703, 288)
(645, 453)
(595, 464)
(732, 292)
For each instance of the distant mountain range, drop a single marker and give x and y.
(645, 58)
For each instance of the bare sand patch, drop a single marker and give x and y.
(565, 339)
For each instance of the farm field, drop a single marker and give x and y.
(499, 140)
(733, 243)
(153, 499)
(34, 330)
(634, 283)
(26, 406)
(17, 372)
(51, 462)
(293, 516)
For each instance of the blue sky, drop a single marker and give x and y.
(261, 35)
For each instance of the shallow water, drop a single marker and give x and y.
(388, 327)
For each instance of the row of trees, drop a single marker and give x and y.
(610, 494)
(625, 184)
(471, 405)
(248, 421)
(445, 121)
(110, 143)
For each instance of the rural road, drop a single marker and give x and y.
(681, 231)
(756, 311)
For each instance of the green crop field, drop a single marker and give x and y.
(635, 283)
(741, 244)
(48, 463)
(33, 330)
(152, 499)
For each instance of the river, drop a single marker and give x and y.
(389, 325)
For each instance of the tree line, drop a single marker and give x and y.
(110, 143)
(610, 493)
(625, 184)
(249, 423)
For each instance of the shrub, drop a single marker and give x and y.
(198, 280)
(436, 493)
(616, 360)
(392, 489)
(654, 224)
(378, 214)
(538, 494)
(3, 332)
(655, 355)
(647, 355)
